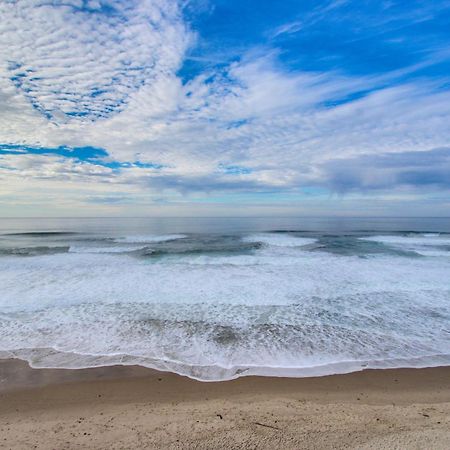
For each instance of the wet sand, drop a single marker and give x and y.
(133, 407)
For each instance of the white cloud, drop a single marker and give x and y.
(71, 61)
(284, 125)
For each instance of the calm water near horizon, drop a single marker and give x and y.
(116, 225)
(218, 298)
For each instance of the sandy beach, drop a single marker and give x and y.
(133, 407)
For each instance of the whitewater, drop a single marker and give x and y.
(219, 302)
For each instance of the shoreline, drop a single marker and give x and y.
(135, 407)
(116, 369)
(17, 374)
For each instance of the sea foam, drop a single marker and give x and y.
(279, 309)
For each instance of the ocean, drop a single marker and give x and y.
(219, 298)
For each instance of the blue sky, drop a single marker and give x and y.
(221, 107)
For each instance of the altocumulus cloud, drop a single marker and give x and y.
(83, 59)
(98, 104)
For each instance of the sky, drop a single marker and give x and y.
(224, 107)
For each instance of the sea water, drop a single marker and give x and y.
(215, 299)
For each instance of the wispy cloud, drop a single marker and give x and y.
(308, 19)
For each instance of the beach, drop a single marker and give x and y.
(133, 407)
(220, 334)
(224, 225)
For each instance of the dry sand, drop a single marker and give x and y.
(127, 408)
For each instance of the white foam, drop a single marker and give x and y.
(278, 311)
(426, 239)
(426, 244)
(279, 239)
(142, 239)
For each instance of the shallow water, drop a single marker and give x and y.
(216, 299)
